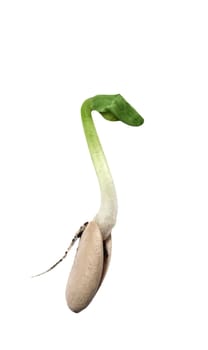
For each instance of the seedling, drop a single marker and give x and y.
(94, 251)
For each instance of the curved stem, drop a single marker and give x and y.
(113, 108)
(106, 216)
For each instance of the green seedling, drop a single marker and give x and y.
(94, 251)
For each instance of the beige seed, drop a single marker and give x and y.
(87, 270)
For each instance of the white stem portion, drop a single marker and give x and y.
(106, 216)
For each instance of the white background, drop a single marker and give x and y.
(54, 55)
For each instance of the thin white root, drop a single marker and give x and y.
(77, 235)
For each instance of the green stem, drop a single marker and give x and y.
(112, 107)
(106, 216)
